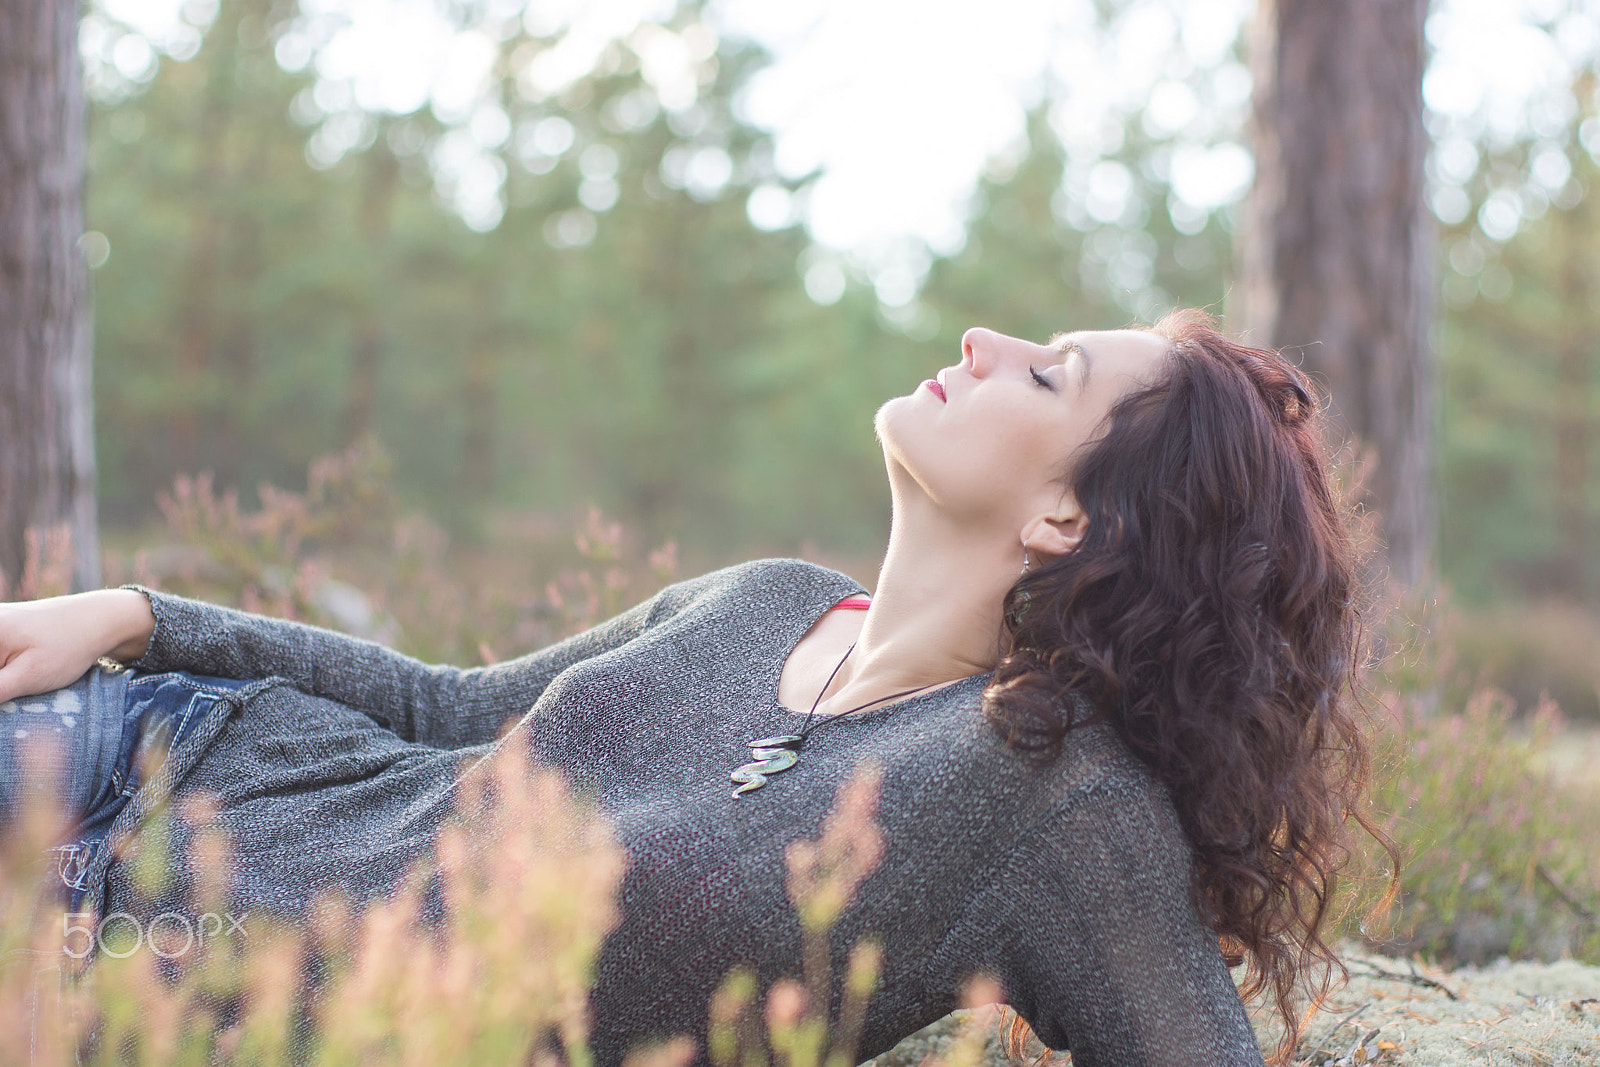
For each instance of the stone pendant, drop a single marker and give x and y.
(769, 755)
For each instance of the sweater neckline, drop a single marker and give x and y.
(815, 608)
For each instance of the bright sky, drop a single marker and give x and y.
(902, 103)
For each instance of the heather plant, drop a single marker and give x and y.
(1499, 854)
(528, 888)
(493, 968)
(496, 973)
(824, 876)
(344, 554)
(1499, 850)
(793, 1026)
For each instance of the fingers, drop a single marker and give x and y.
(21, 677)
(37, 656)
(13, 665)
(47, 644)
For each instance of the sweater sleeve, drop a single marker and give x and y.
(443, 706)
(1106, 954)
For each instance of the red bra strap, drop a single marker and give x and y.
(854, 603)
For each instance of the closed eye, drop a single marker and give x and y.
(1041, 379)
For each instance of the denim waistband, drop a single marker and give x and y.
(61, 748)
(88, 748)
(160, 710)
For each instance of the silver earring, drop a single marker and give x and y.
(1020, 609)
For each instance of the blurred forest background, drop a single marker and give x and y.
(582, 279)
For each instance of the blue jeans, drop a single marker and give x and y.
(87, 748)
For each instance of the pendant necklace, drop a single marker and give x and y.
(770, 755)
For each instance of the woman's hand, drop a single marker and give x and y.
(48, 644)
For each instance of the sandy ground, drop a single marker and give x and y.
(1394, 1012)
(1502, 1014)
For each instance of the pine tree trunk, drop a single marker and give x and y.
(46, 413)
(1337, 250)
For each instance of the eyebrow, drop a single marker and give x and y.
(1065, 344)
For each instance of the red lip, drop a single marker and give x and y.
(938, 390)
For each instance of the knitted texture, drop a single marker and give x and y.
(1068, 880)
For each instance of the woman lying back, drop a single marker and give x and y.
(1105, 674)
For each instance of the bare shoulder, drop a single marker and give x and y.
(806, 670)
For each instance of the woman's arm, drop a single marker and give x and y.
(1108, 956)
(48, 644)
(443, 706)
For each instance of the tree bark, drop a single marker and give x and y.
(46, 414)
(1337, 249)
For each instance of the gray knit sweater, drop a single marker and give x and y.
(1067, 880)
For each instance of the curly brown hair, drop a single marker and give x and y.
(1210, 613)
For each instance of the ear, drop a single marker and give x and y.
(1057, 531)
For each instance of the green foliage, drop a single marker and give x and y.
(202, 188)
(1027, 272)
(1520, 406)
(659, 357)
(256, 312)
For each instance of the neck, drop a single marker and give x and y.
(936, 610)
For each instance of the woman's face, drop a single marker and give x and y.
(987, 439)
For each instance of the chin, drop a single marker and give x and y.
(895, 426)
(882, 422)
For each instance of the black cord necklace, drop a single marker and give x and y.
(770, 755)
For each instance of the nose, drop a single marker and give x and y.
(977, 348)
(985, 349)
